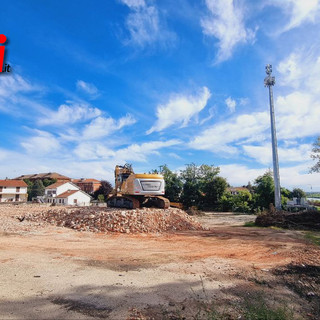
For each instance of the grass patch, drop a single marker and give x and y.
(313, 237)
(250, 224)
(256, 308)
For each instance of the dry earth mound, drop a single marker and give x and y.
(309, 220)
(147, 220)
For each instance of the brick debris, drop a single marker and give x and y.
(144, 220)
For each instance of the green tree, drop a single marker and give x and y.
(213, 189)
(285, 196)
(29, 188)
(105, 189)
(316, 156)
(101, 198)
(201, 187)
(226, 202)
(37, 189)
(264, 190)
(46, 182)
(191, 193)
(241, 202)
(173, 184)
(298, 193)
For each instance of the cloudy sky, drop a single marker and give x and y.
(104, 82)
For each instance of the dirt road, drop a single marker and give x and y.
(49, 272)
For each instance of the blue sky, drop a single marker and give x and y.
(100, 83)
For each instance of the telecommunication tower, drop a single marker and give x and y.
(269, 81)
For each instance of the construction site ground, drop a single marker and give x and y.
(51, 272)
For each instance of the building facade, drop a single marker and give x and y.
(13, 191)
(87, 185)
(66, 193)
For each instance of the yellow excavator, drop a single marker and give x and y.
(135, 190)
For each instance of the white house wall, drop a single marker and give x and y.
(63, 188)
(9, 194)
(82, 199)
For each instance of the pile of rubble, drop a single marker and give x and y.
(145, 220)
(306, 220)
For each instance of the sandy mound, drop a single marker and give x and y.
(118, 220)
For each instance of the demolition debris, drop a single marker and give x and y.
(145, 220)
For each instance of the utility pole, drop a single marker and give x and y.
(269, 82)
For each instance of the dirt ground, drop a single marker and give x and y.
(49, 272)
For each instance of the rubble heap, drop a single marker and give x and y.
(306, 220)
(145, 220)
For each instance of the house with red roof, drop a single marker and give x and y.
(13, 191)
(87, 185)
(66, 193)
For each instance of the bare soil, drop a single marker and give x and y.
(50, 272)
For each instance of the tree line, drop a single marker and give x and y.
(203, 188)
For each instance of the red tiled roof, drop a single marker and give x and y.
(67, 194)
(56, 185)
(237, 189)
(48, 175)
(85, 180)
(12, 183)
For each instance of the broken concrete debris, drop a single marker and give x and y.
(144, 220)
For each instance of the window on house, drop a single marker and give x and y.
(74, 200)
(17, 189)
(0, 189)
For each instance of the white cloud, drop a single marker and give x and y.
(41, 144)
(134, 3)
(290, 177)
(14, 96)
(231, 104)
(263, 153)
(301, 70)
(174, 155)
(299, 11)
(290, 70)
(180, 109)
(143, 24)
(209, 117)
(101, 126)
(14, 84)
(226, 23)
(67, 114)
(239, 175)
(139, 152)
(87, 87)
(92, 151)
(219, 137)
(134, 152)
(297, 116)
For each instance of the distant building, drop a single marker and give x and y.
(235, 190)
(43, 176)
(66, 193)
(87, 185)
(13, 191)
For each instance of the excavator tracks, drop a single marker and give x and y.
(125, 201)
